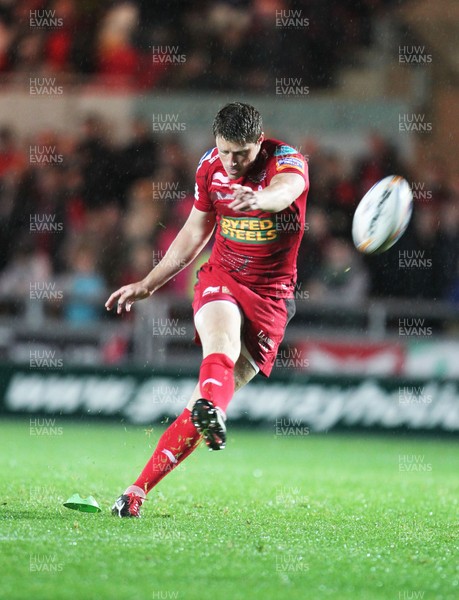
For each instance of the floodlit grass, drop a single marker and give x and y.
(345, 517)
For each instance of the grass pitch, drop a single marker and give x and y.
(270, 517)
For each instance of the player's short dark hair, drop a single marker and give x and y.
(238, 122)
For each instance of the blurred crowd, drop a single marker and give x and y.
(205, 44)
(90, 215)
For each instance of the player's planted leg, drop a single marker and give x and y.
(128, 504)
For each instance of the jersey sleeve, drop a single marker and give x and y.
(202, 200)
(286, 159)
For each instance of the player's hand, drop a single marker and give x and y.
(125, 296)
(245, 198)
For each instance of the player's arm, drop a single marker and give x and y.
(283, 189)
(188, 243)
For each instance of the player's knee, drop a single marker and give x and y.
(222, 342)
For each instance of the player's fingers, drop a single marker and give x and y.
(241, 207)
(237, 186)
(111, 301)
(236, 204)
(124, 300)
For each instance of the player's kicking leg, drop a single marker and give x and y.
(173, 447)
(218, 324)
(182, 437)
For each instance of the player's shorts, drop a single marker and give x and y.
(264, 317)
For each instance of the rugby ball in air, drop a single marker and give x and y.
(382, 215)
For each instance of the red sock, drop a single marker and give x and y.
(177, 442)
(216, 379)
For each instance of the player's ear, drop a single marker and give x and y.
(261, 138)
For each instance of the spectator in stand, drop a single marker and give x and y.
(83, 288)
(12, 158)
(144, 216)
(98, 164)
(379, 161)
(137, 197)
(446, 254)
(435, 185)
(12, 165)
(314, 243)
(139, 157)
(114, 40)
(58, 45)
(117, 58)
(140, 257)
(173, 155)
(229, 28)
(27, 265)
(337, 192)
(6, 38)
(342, 277)
(453, 292)
(27, 53)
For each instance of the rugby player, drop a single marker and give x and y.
(253, 191)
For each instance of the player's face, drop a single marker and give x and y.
(237, 159)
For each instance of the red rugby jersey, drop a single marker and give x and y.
(257, 248)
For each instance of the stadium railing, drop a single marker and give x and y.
(160, 332)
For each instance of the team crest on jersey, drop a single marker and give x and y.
(290, 162)
(283, 149)
(257, 177)
(222, 197)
